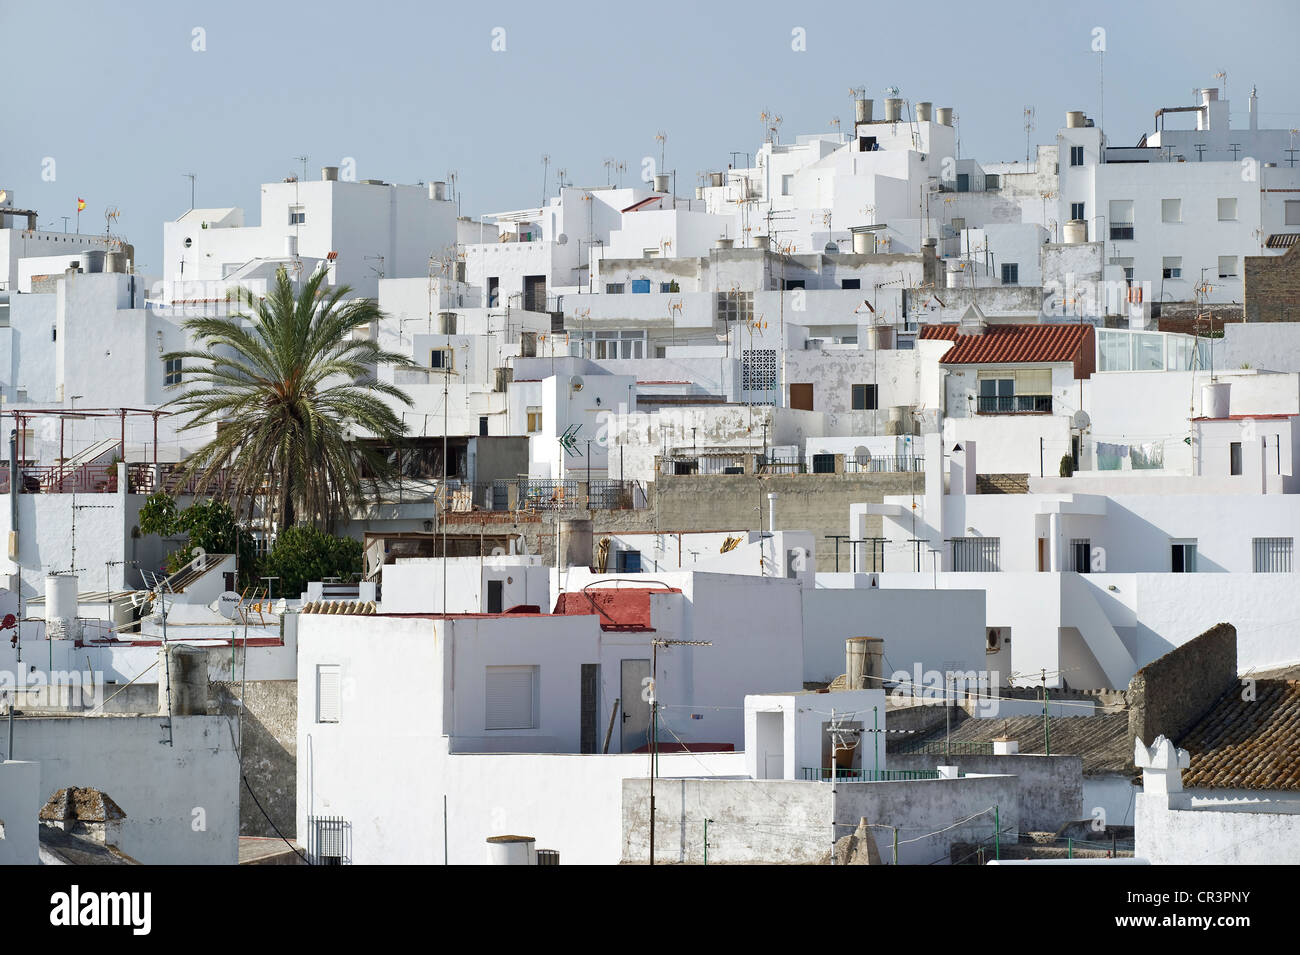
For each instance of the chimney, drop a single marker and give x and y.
(84, 812)
(863, 663)
(771, 511)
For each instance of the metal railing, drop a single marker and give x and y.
(1123, 232)
(941, 748)
(882, 463)
(46, 479)
(814, 774)
(1014, 404)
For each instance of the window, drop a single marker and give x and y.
(54, 333)
(297, 215)
(1234, 457)
(1183, 557)
(1076, 155)
(851, 283)
(1077, 211)
(511, 698)
(1081, 553)
(864, 397)
(786, 183)
(614, 288)
(628, 562)
(669, 287)
(789, 284)
(734, 306)
(329, 840)
(640, 286)
(482, 426)
(495, 595)
(1171, 210)
(1273, 555)
(1292, 212)
(976, 554)
(963, 182)
(494, 290)
(1121, 219)
(958, 224)
(441, 358)
(1227, 266)
(1024, 390)
(1010, 273)
(328, 692)
(534, 420)
(1227, 210)
(172, 371)
(992, 182)
(1172, 267)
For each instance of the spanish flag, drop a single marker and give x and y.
(81, 204)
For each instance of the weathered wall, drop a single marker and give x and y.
(789, 821)
(270, 751)
(1050, 789)
(1272, 287)
(1167, 696)
(180, 800)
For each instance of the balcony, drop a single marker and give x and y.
(1014, 404)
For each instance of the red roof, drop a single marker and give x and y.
(619, 608)
(638, 206)
(1014, 344)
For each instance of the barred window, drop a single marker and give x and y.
(1273, 555)
(1081, 552)
(976, 554)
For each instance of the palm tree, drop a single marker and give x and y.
(289, 387)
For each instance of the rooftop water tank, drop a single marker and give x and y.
(943, 115)
(1075, 232)
(329, 173)
(1216, 399)
(511, 850)
(893, 109)
(862, 110)
(661, 183)
(1074, 119)
(923, 112)
(61, 621)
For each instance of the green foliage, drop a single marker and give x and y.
(208, 524)
(304, 553)
(290, 386)
(1067, 466)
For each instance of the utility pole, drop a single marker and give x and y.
(838, 733)
(654, 720)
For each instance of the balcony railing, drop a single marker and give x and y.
(1121, 232)
(1015, 404)
(823, 774)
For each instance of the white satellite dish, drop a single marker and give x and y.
(1081, 419)
(562, 239)
(227, 604)
(576, 383)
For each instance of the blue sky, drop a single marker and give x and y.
(120, 99)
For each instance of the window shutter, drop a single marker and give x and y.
(1034, 381)
(328, 694)
(511, 698)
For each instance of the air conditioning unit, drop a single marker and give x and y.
(993, 640)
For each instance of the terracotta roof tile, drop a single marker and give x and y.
(1012, 343)
(1248, 744)
(1102, 741)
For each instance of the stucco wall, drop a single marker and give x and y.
(1050, 788)
(270, 751)
(181, 801)
(1219, 836)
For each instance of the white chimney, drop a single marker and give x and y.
(771, 511)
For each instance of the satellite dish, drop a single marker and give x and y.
(862, 453)
(576, 383)
(1081, 419)
(562, 239)
(227, 604)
